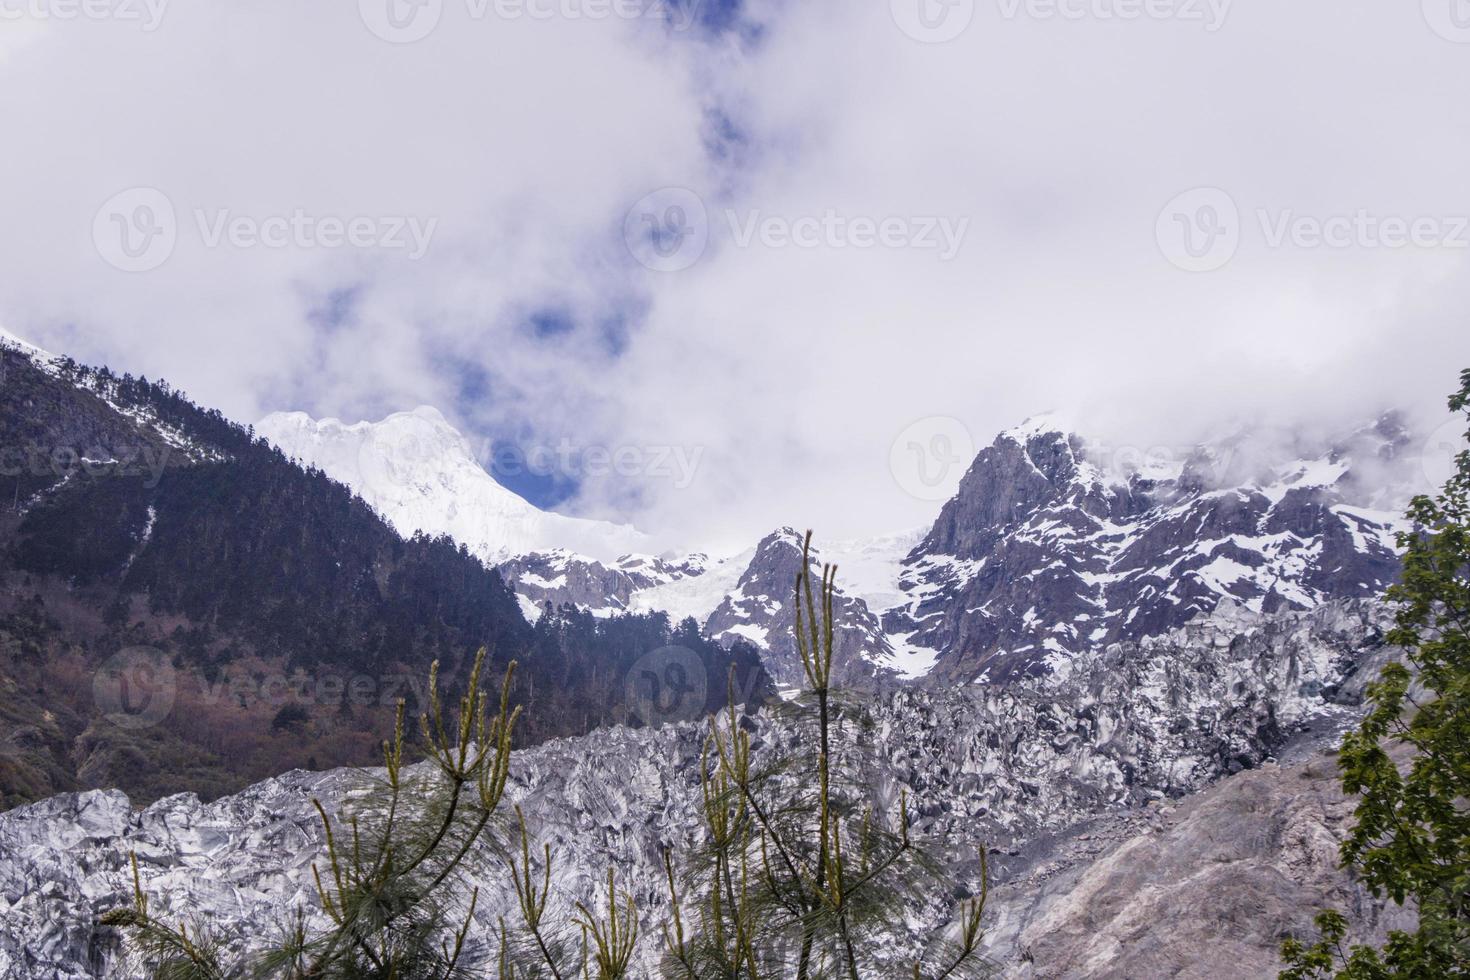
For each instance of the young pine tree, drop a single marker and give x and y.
(391, 882)
(802, 875)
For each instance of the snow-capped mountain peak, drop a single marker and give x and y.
(421, 474)
(37, 354)
(1041, 423)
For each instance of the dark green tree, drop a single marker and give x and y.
(1409, 761)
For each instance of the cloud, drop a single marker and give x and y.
(518, 138)
(789, 362)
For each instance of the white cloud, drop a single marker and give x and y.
(792, 368)
(519, 137)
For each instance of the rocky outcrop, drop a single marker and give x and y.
(762, 610)
(558, 578)
(1206, 888)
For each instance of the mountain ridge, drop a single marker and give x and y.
(1044, 533)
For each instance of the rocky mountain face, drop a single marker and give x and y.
(762, 610)
(1046, 550)
(1084, 788)
(1204, 887)
(561, 577)
(745, 598)
(1051, 546)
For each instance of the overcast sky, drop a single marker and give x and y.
(796, 246)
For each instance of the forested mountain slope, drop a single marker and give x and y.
(182, 607)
